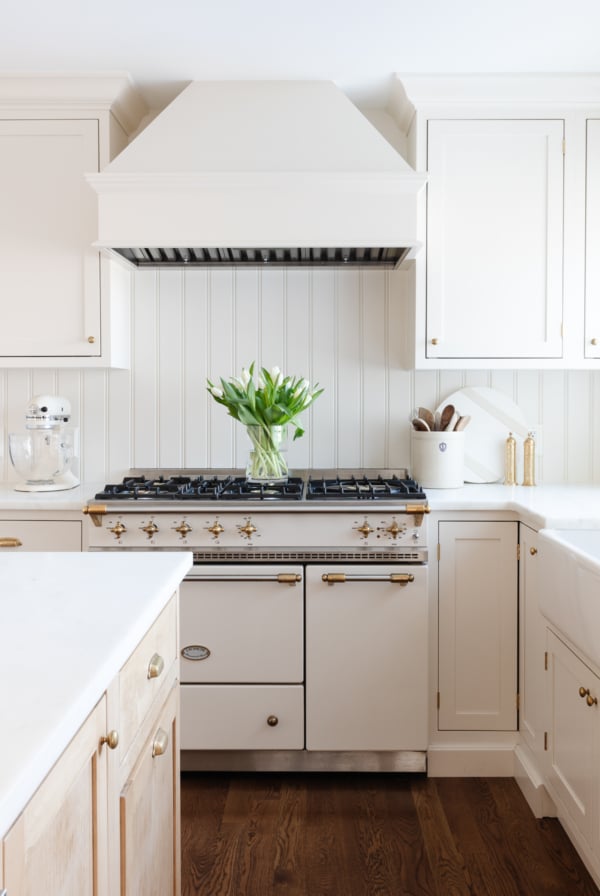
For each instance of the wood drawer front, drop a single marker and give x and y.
(234, 717)
(137, 690)
(40, 535)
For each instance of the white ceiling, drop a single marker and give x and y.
(359, 45)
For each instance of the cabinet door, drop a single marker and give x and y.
(49, 271)
(150, 828)
(494, 239)
(57, 846)
(478, 578)
(573, 735)
(592, 241)
(40, 535)
(532, 646)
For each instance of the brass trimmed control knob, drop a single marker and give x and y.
(247, 529)
(272, 721)
(150, 529)
(365, 530)
(216, 529)
(118, 529)
(183, 528)
(111, 739)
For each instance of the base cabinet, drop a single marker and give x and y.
(478, 594)
(40, 535)
(532, 647)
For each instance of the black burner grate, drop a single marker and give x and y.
(365, 488)
(200, 488)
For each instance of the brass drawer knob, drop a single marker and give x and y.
(435, 341)
(591, 701)
(160, 743)
(533, 551)
(10, 543)
(111, 739)
(594, 341)
(584, 692)
(272, 721)
(155, 666)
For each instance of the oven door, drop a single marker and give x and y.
(366, 657)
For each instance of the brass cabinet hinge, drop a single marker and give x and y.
(438, 699)
(439, 550)
(546, 660)
(545, 740)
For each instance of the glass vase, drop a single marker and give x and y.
(266, 462)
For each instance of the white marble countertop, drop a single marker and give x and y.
(68, 622)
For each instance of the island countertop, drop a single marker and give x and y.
(68, 622)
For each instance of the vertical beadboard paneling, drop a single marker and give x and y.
(579, 447)
(298, 317)
(249, 310)
(374, 348)
(555, 418)
(69, 383)
(170, 369)
(19, 385)
(145, 370)
(222, 361)
(350, 369)
(323, 433)
(196, 338)
(94, 399)
(120, 458)
(400, 398)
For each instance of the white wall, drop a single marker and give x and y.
(338, 327)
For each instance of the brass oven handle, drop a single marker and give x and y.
(10, 543)
(340, 578)
(95, 512)
(284, 578)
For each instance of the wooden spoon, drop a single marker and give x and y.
(461, 423)
(420, 425)
(426, 415)
(446, 417)
(453, 421)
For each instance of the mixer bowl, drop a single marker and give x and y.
(42, 457)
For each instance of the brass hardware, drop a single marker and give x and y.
(118, 529)
(333, 578)
(591, 701)
(533, 551)
(365, 529)
(10, 543)
(584, 692)
(111, 739)
(394, 529)
(160, 744)
(518, 551)
(435, 341)
(439, 551)
(95, 512)
(402, 578)
(91, 339)
(418, 510)
(183, 529)
(289, 578)
(272, 721)
(216, 529)
(594, 341)
(248, 529)
(150, 529)
(155, 666)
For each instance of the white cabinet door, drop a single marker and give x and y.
(592, 241)
(366, 660)
(49, 271)
(40, 535)
(494, 239)
(478, 577)
(532, 646)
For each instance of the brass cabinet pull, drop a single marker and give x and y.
(284, 578)
(533, 551)
(111, 739)
(10, 543)
(160, 743)
(91, 339)
(272, 721)
(435, 341)
(155, 666)
(400, 578)
(594, 341)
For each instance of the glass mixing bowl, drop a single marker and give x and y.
(41, 455)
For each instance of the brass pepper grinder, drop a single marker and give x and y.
(529, 460)
(510, 461)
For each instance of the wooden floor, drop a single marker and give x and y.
(370, 835)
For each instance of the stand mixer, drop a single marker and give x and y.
(43, 455)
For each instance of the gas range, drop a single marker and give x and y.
(220, 515)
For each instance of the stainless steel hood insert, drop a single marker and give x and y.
(233, 172)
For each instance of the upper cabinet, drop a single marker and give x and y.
(62, 302)
(513, 170)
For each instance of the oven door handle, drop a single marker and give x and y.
(284, 578)
(340, 578)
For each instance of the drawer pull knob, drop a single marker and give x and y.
(161, 742)
(155, 666)
(10, 543)
(591, 701)
(111, 739)
(272, 721)
(584, 692)
(533, 551)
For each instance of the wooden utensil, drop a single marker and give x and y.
(420, 425)
(446, 417)
(461, 423)
(426, 415)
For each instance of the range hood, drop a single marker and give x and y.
(259, 173)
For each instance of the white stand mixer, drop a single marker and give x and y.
(43, 455)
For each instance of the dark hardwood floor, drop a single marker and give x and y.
(370, 835)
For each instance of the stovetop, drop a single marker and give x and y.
(314, 486)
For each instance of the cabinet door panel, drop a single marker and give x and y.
(40, 535)
(592, 241)
(478, 626)
(50, 271)
(494, 239)
(532, 686)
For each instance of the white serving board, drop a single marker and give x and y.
(493, 416)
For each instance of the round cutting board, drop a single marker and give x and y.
(493, 416)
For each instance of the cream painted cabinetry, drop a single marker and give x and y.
(477, 612)
(62, 303)
(19, 534)
(532, 646)
(513, 183)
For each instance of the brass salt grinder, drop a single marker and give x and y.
(510, 461)
(529, 460)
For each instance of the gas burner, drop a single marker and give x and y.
(174, 488)
(361, 488)
(241, 489)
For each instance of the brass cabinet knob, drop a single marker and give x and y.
(155, 666)
(118, 529)
(183, 529)
(584, 692)
(248, 529)
(150, 530)
(10, 543)
(91, 339)
(111, 739)
(591, 701)
(272, 721)
(435, 341)
(594, 341)
(160, 743)
(216, 529)
(533, 551)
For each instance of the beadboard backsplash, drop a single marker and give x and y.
(338, 327)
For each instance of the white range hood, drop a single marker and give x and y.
(255, 172)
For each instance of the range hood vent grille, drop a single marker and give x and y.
(288, 257)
